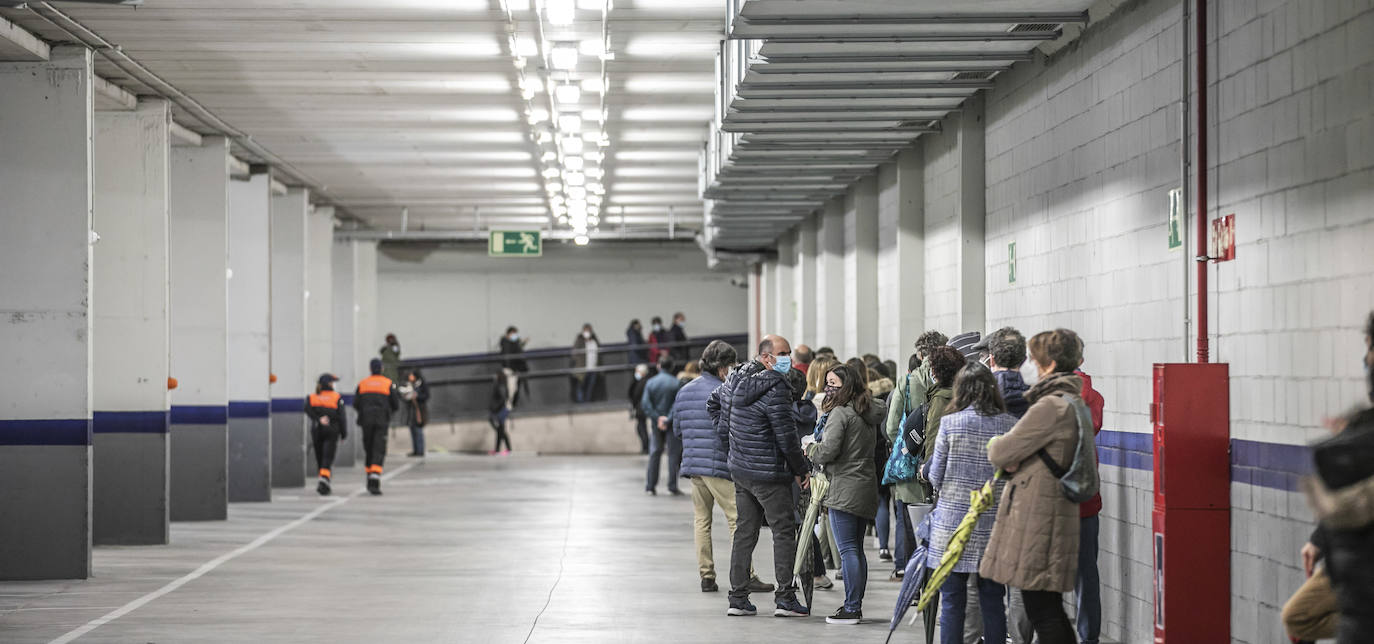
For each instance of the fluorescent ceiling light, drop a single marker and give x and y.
(591, 47)
(549, 155)
(591, 136)
(553, 186)
(576, 163)
(563, 57)
(570, 123)
(543, 137)
(572, 145)
(563, 220)
(574, 178)
(567, 95)
(592, 5)
(550, 173)
(592, 85)
(595, 221)
(592, 115)
(675, 113)
(582, 240)
(685, 83)
(592, 173)
(595, 200)
(577, 192)
(560, 12)
(526, 47)
(595, 156)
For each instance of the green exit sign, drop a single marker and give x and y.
(515, 243)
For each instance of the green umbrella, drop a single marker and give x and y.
(819, 485)
(979, 501)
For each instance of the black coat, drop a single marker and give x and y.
(639, 351)
(417, 411)
(635, 393)
(511, 347)
(679, 353)
(752, 412)
(376, 400)
(327, 403)
(1349, 552)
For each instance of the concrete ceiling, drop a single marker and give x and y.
(392, 104)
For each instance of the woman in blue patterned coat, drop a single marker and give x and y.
(960, 466)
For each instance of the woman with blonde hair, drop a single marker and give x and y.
(815, 380)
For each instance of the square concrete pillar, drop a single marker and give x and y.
(131, 329)
(861, 267)
(198, 222)
(804, 282)
(288, 337)
(784, 305)
(830, 284)
(45, 276)
(319, 306)
(345, 314)
(249, 340)
(972, 217)
(901, 255)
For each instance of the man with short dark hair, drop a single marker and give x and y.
(752, 414)
(657, 403)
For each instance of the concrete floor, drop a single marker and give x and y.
(459, 549)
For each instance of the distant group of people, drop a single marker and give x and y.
(752, 435)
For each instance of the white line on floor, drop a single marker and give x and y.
(215, 563)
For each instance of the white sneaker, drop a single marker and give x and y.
(822, 583)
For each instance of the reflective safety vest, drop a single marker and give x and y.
(327, 399)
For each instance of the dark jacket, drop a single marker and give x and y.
(636, 394)
(806, 415)
(327, 403)
(846, 453)
(639, 352)
(376, 400)
(513, 348)
(702, 454)
(752, 414)
(1013, 388)
(657, 340)
(658, 397)
(1346, 535)
(500, 390)
(678, 336)
(417, 411)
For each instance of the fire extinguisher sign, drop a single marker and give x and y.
(1159, 581)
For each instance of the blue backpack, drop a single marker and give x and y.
(902, 465)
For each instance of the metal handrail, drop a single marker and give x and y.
(622, 347)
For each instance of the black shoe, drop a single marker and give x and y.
(323, 488)
(374, 486)
(845, 618)
(414, 454)
(651, 492)
(675, 492)
(709, 586)
(757, 585)
(884, 555)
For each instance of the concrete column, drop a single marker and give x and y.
(861, 267)
(288, 337)
(756, 331)
(768, 322)
(901, 255)
(804, 283)
(45, 273)
(249, 339)
(345, 321)
(784, 306)
(198, 223)
(367, 337)
(130, 331)
(319, 307)
(972, 217)
(830, 300)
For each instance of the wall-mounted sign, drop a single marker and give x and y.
(1222, 246)
(515, 243)
(1011, 263)
(1175, 219)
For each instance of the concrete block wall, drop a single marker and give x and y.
(941, 209)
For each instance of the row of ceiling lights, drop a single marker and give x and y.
(572, 152)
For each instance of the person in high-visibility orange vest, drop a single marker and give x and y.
(327, 427)
(376, 400)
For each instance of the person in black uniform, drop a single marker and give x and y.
(376, 400)
(327, 427)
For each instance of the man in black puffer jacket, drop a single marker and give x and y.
(752, 413)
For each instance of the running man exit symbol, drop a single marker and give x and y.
(1011, 263)
(515, 243)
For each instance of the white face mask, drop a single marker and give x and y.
(587, 335)
(658, 327)
(1030, 373)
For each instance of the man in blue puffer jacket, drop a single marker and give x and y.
(704, 459)
(752, 414)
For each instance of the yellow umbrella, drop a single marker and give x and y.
(819, 485)
(979, 501)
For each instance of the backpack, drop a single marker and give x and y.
(905, 460)
(1079, 480)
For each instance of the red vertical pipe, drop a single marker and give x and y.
(1200, 23)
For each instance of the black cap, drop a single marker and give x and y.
(375, 366)
(327, 379)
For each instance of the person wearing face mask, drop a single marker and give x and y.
(634, 336)
(657, 403)
(678, 336)
(752, 414)
(391, 358)
(658, 339)
(513, 346)
(635, 394)
(585, 360)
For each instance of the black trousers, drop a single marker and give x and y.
(326, 442)
(756, 502)
(1046, 612)
(374, 446)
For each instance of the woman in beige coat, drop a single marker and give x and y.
(1034, 544)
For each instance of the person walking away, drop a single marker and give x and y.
(635, 394)
(704, 462)
(375, 400)
(415, 393)
(506, 390)
(657, 403)
(752, 414)
(327, 427)
(584, 359)
(658, 339)
(1342, 498)
(391, 358)
(634, 337)
(678, 336)
(959, 467)
(802, 356)
(845, 454)
(1034, 543)
(513, 346)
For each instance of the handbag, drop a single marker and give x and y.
(1078, 481)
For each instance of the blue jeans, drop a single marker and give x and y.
(659, 440)
(905, 534)
(587, 387)
(954, 601)
(1088, 594)
(417, 439)
(849, 537)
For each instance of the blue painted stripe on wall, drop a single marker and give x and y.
(249, 409)
(283, 405)
(348, 399)
(200, 414)
(45, 432)
(1271, 465)
(129, 422)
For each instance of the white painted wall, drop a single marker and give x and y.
(199, 253)
(458, 300)
(129, 291)
(319, 295)
(861, 268)
(249, 290)
(901, 255)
